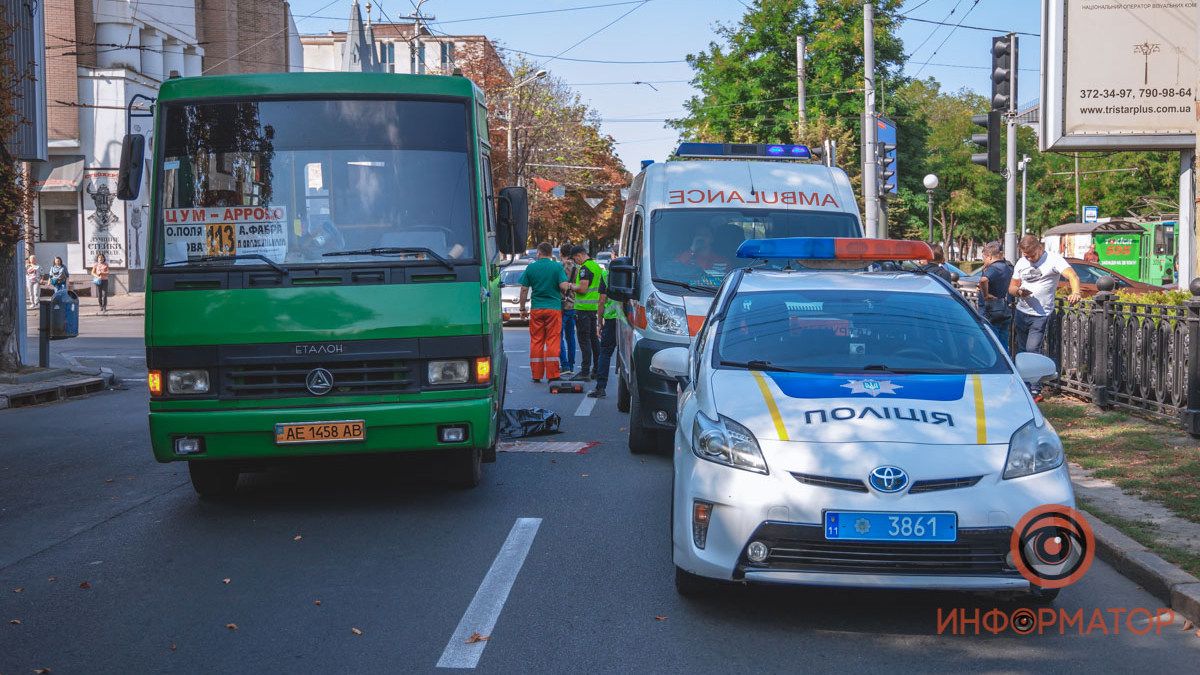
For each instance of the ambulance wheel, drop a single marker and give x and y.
(641, 439)
(465, 468)
(622, 394)
(693, 585)
(213, 479)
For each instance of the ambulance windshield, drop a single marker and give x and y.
(697, 247)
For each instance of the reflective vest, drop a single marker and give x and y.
(612, 308)
(590, 301)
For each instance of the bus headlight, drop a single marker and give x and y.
(666, 317)
(449, 372)
(187, 382)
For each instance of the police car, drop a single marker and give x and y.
(846, 423)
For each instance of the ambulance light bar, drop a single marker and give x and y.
(834, 248)
(740, 150)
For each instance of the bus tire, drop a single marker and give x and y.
(213, 479)
(622, 393)
(465, 468)
(641, 439)
(489, 453)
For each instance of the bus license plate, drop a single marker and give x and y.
(877, 526)
(321, 432)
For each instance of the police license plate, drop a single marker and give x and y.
(882, 526)
(321, 432)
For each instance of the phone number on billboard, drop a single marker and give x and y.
(1169, 92)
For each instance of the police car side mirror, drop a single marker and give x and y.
(1034, 368)
(672, 363)
(622, 279)
(133, 159)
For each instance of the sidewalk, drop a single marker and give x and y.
(126, 304)
(35, 386)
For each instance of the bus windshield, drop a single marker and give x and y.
(318, 182)
(696, 247)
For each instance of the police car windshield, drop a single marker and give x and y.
(855, 331)
(698, 247)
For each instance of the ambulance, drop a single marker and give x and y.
(684, 221)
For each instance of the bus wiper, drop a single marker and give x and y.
(240, 256)
(707, 290)
(760, 364)
(395, 250)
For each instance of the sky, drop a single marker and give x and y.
(668, 30)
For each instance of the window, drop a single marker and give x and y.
(447, 56)
(60, 217)
(489, 201)
(387, 56)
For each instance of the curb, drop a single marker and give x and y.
(1145, 568)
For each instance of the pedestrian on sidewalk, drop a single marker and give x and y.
(58, 274)
(33, 282)
(608, 337)
(548, 281)
(1034, 282)
(587, 313)
(566, 359)
(100, 280)
(993, 291)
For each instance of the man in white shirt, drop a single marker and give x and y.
(1034, 282)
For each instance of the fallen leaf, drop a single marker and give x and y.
(297, 538)
(108, 480)
(317, 603)
(18, 589)
(226, 580)
(356, 631)
(85, 585)
(173, 647)
(583, 475)
(15, 622)
(231, 626)
(660, 617)
(476, 637)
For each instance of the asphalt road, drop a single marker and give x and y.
(388, 552)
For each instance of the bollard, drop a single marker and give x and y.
(43, 333)
(1191, 414)
(1100, 339)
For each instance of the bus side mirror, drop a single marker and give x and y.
(513, 214)
(622, 279)
(133, 159)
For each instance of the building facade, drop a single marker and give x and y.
(106, 58)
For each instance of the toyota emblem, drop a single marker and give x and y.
(889, 479)
(319, 381)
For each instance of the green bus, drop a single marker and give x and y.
(1142, 250)
(324, 271)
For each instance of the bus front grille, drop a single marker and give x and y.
(286, 380)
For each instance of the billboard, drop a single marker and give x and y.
(1118, 75)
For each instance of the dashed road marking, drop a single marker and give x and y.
(585, 406)
(484, 610)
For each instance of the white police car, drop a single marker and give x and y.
(841, 425)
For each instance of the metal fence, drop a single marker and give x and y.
(1127, 355)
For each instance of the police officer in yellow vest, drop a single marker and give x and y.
(608, 336)
(587, 312)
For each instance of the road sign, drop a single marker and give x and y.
(593, 201)
(1091, 214)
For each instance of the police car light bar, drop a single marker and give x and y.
(834, 248)
(742, 150)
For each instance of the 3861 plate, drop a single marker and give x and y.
(887, 526)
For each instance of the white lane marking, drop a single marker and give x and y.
(485, 607)
(585, 406)
(544, 446)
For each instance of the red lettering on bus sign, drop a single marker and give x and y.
(789, 197)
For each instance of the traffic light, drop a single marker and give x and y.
(885, 168)
(989, 141)
(1004, 73)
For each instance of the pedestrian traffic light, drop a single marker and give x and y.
(989, 141)
(1004, 73)
(885, 169)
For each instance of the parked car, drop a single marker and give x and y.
(604, 257)
(1091, 273)
(510, 294)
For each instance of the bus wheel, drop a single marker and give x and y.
(641, 439)
(622, 393)
(213, 479)
(465, 468)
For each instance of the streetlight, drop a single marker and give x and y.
(512, 164)
(931, 183)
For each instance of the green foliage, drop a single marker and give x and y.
(1155, 297)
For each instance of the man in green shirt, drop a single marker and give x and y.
(548, 281)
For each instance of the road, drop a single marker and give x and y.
(122, 569)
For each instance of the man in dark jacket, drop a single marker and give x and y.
(935, 266)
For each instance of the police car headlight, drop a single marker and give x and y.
(666, 317)
(726, 442)
(1033, 449)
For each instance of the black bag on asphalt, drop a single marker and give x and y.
(522, 422)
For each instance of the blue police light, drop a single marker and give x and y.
(834, 248)
(792, 248)
(736, 150)
(775, 150)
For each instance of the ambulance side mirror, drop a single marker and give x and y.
(622, 280)
(672, 363)
(1034, 368)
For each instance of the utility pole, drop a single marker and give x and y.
(870, 187)
(1078, 206)
(800, 91)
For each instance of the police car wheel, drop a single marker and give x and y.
(465, 468)
(692, 585)
(641, 439)
(213, 479)
(622, 394)
(1043, 596)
